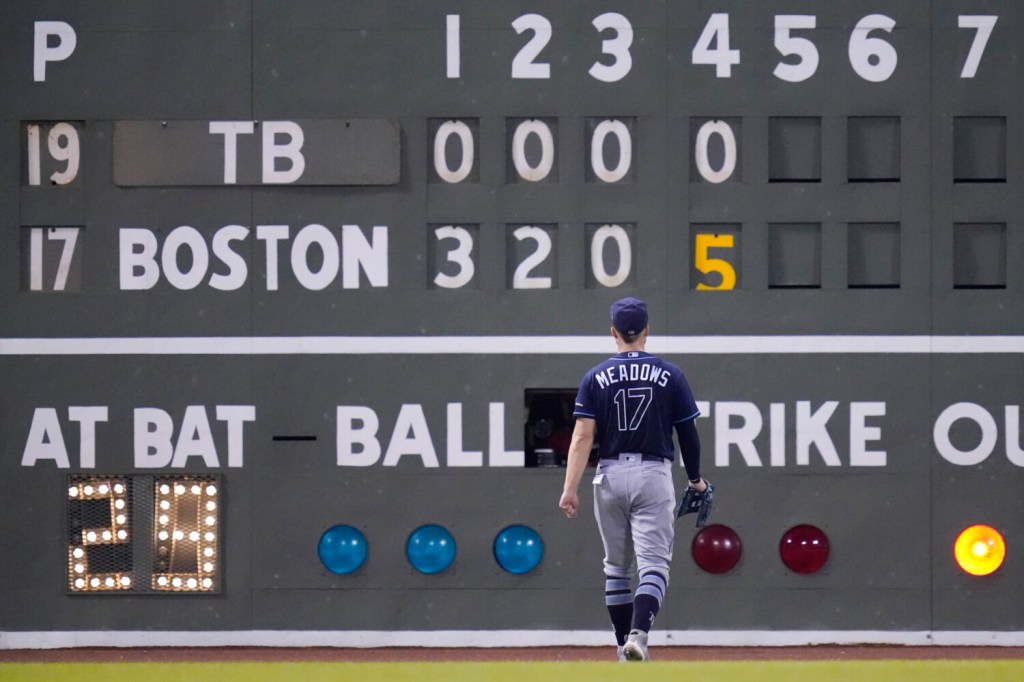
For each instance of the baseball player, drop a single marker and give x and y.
(630, 404)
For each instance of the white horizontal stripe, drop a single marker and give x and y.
(505, 345)
(497, 638)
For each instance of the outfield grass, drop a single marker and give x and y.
(704, 671)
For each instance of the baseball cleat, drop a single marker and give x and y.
(635, 648)
(621, 656)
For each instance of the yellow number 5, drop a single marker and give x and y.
(705, 242)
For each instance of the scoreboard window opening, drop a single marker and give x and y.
(979, 149)
(873, 149)
(144, 534)
(873, 256)
(794, 256)
(794, 149)
(549, 425)
(979, 256)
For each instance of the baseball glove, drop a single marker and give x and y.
(699, 503)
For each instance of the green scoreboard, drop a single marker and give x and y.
(295, 297)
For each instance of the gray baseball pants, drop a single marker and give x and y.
(634, 502)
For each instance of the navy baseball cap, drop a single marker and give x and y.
(629, 316)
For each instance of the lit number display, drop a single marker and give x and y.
(713, 256)
(100, 542)
(186, 530)
(143, 534)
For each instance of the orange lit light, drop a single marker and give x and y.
(979, 550)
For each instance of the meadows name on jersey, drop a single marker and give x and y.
(634, 372)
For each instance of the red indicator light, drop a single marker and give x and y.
(716, 548)
(804, 549)
(979, 550)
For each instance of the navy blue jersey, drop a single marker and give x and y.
(635, 398)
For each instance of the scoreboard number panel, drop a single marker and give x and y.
(100, 557)
(532, 251)
(51, 258)
(452, 261)
(715, 148)
(611, 262)
(186, 529)
(144, 534)
(716, 258)
(52, 152)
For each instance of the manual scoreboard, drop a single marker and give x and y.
(272, 269)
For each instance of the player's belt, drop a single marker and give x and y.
(631, 457)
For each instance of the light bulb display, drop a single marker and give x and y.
(979, 550)
(143, 533)
(186, 559)
(99, 539)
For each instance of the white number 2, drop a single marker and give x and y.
(522, 279)
(524, 66)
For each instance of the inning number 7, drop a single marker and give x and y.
(631, 406)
